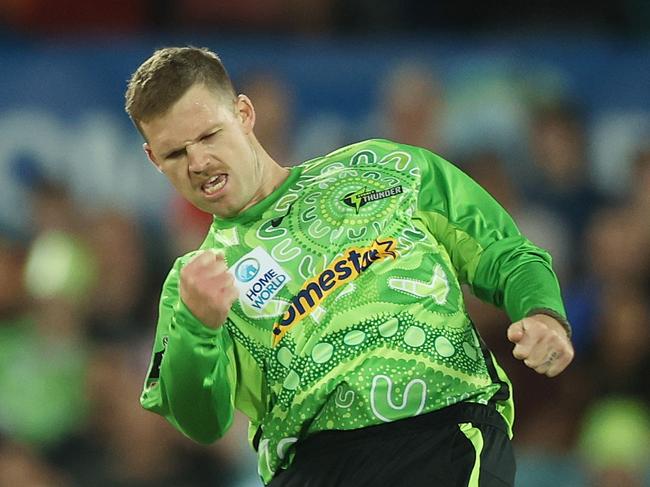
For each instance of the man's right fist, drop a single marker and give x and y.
(207, 289)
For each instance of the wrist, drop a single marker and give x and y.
(203, 314)
(552, 317)
(186, 318)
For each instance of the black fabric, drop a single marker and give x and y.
(427, 450)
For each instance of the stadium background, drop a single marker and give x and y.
(547, 105)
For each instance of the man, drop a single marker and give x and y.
(325, 303)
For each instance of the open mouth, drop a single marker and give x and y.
(214, 185)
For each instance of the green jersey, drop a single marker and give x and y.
(350, 310)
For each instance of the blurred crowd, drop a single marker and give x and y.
(78, 302)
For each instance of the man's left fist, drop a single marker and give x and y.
(542, 343)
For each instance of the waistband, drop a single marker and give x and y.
(463, 412)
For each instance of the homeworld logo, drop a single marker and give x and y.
(247, 269)
(343, 269)
(362, 197)
(258, 278)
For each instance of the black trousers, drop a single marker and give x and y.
(463, 445)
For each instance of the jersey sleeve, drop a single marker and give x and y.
(486, 248)
(192, 377)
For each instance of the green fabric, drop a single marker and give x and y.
(485, 246)
(474, 435)
(350, 310)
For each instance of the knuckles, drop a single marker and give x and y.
(209, 284)
(518, 354)
(570, 353)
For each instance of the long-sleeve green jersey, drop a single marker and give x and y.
(350, 311)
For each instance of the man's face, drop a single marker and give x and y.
(203, 144)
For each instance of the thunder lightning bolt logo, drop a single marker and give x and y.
(362, 197)
(355, 199)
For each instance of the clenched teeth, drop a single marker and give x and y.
(214, 184)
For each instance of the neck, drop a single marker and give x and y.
(272, 175)
(272, 172)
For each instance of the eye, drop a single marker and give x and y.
(209, 137)
(176, 154)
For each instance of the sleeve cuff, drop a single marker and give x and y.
(184, 318)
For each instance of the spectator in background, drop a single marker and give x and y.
(620, 355)
(617, 260)
(117, 304)
(274, 100)
(43, 352)
(12, 292)
(616, 245)
(411, 107)
(122, 445)
(53, 208)
(562, 183)
(640, 190)
(22, 466)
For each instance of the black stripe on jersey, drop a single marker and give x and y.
(504, 391)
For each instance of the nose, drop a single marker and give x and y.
(197, 158)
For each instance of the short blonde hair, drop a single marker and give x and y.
(164, 78)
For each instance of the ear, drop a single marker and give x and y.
(151, 157)
(246, 113)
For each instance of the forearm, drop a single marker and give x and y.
(197, 378)
(532, 288)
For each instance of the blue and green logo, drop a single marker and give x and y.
(247, 269)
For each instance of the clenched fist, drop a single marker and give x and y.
(542, 343)
(207, 289)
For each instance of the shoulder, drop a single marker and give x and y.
(380, 146)
(365, 152)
